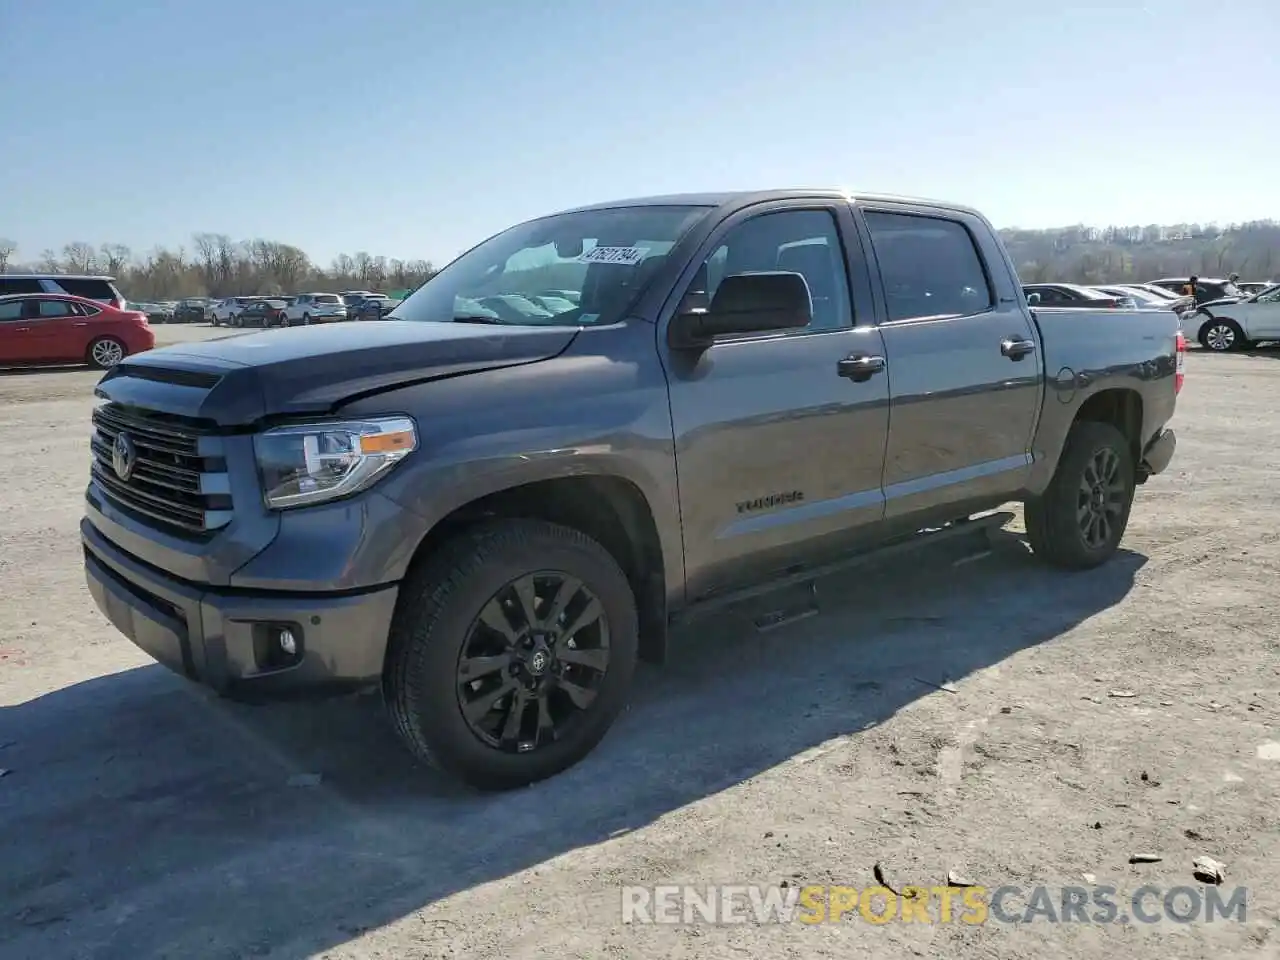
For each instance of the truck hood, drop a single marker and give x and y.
(239, 380)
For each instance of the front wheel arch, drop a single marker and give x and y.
(611, 510)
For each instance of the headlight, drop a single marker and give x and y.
(314, 462)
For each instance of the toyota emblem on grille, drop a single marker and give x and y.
(124, 456)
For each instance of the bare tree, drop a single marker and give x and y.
(7, 249)
(79, 257)
(114, 258)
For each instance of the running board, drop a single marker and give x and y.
(807, 578)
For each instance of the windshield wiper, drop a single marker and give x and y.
(476, 318)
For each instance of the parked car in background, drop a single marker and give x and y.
(1237, 324)
(373, 306)
(1154, 298)
(1206, 289)
(1075, 295)
(57, 328)
(1250, 287)
(223, 310)
(192, 310)
(1177, 301)
(316, 308)
(353, 298)
(262, 313)
(1144, 299)
(156, 312)
(102, 289)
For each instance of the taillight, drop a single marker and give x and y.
(1179, 370)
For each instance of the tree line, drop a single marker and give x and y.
(1136, 254)
(215, 265)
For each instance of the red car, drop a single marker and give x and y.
(57, 328)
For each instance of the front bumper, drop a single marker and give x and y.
(225, 639)
(1158, 454)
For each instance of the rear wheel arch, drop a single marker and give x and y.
(611, 510)
(1120, 407)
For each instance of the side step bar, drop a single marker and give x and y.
(807, 578)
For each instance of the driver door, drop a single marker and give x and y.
(779, 455)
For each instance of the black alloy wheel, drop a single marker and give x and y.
(1102, 498)
(533, 661)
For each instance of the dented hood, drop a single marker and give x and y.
(239, 380)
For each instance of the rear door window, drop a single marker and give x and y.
(52, 309)
(930, 266)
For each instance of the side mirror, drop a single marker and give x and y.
(744, 303)
(1033, 300)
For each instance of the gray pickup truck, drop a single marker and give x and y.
(493, 522)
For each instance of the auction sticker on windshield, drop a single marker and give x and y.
(626, 256)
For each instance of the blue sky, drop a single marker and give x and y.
(142, 123)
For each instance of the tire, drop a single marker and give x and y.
(1055, 525)
(105, 352)
(437, 621)
(1221, 335)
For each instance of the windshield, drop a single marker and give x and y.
(566, 270)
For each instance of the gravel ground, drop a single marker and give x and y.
(935, 717)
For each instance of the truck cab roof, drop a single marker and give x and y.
(735, 199)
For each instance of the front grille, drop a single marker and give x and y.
(179, 478)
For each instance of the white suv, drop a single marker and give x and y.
(315, 308)
(102, 289)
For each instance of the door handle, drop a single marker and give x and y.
(22, 330)
(860, 368)
(1016, 349)
(81, 324)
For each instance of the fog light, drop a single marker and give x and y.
(287, 642)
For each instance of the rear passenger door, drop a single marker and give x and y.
(56, 330)
(965, 378)
(14, 342)
(778, 452)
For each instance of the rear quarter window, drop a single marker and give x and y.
(90, 289)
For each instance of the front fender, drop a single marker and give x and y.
(598, 409)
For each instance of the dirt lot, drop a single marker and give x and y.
(138, 818)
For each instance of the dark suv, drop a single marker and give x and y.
(102, 289)
(1206, 290)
